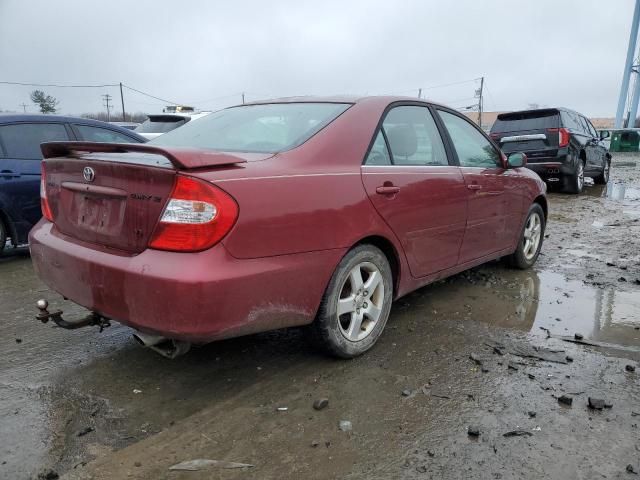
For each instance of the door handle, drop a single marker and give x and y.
(474, 186)
(8, 174)
(387, 190)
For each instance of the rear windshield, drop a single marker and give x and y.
(267, 128)
(160, 124)
(519, 121)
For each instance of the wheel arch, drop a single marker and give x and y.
(390, 251)
(542, 201)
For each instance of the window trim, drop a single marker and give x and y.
(80, 137)
(408, 103)
(440, 108)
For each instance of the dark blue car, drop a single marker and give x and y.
(20, 139)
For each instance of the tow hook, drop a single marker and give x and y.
(91, 319)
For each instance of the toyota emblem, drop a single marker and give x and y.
(89, 174)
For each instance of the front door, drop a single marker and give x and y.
(492, 202)
(421, 196)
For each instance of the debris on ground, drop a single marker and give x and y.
(204, 463)
(517, 433)
(315, 443)
(85, 431)
(406, 393)
(630, 368)
(345, 425)
(596, 403)
(475, 359)
(578, 336)
(473, 431)
(282, 409)
(320, 403)
(630, 469)
(565, 399)
(528, 351)
(531, 413)
(48, 475)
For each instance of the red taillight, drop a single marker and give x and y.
(563, 136)
(44, 201)
(196, 217)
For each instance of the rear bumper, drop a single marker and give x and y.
(196, 297)
(552, 169)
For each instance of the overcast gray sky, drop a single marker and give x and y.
(206, 53)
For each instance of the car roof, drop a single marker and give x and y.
(355, 99)
(42, 118)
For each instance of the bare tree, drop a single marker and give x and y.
(47, 103)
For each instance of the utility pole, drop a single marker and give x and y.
(107, 98)
(243, 98)
(628, 66)
(24, 107)
(419, 93)
(480, 103)
(124, 116)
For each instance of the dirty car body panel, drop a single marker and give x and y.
(301, 205)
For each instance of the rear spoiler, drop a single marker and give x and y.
(181, 158)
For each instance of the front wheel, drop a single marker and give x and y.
(530, 241)
(356, 304)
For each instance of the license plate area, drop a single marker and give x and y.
(99, 214)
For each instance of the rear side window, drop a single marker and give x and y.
(572, 121)
(522, 121)
(379, 153)
(97, 134)
(267, 128)
(473, 149)
(22, 140)
(413, 138)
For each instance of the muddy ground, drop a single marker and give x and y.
(85, 404)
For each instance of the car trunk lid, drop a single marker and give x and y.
(114, 194)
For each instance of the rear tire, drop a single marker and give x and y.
(530, 241)
(356, 305)
(575, 183)
(603, 178)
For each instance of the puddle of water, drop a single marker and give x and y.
(530, 300)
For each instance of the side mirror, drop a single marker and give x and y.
(604, 134)
(516, 160)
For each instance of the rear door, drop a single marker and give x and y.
(420, 195)
(494, 200)
(534, 132)
(20, 168)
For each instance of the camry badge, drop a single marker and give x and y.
(89, 174)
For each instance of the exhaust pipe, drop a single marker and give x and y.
(166, 347)
(147, 340)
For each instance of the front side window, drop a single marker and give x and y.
(97, 134)
(473, 149)
(22, 140)
(266, 128)
(413, 137)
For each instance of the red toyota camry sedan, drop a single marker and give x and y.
(299, 211)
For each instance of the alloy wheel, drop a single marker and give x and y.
(360, 302)
(531, 236)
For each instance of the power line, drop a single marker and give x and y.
(151, 96)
